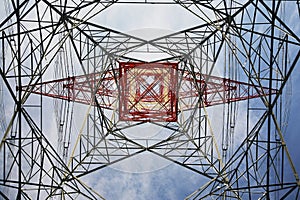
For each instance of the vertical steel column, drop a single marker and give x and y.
(270, 107)
(19, 104)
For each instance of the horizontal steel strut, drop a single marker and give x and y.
(148, 91)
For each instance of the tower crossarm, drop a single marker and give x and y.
(192, 87)
(214, 90)
(81, 89)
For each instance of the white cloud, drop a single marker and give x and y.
(127, 18)
(170, 183)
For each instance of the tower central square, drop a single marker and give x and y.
(148, 92)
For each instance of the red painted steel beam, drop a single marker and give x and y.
(148, 92)
(80, 89)
(217, 90)
(110, 91)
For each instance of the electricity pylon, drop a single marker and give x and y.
(106, 83)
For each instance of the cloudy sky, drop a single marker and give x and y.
(169, 181)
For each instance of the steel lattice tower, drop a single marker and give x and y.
(218, 91)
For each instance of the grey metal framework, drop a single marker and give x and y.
(253, 41)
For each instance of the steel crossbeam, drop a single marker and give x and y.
(148, 91)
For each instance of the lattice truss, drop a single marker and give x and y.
(107, 83)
